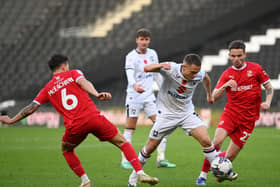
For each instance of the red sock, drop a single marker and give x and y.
(131, 156)
(206, 165)
(74, 163)
(222, 154)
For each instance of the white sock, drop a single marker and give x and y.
(128, 136)
(210, 153)
(85, 178)
(161, 149)
(203, 174)
(143, 156)
(140, 172)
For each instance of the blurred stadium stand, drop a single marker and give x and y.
(30, 35)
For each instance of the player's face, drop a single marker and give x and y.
(143, 43)
(237, 57)
(190, 71)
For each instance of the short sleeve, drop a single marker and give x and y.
(168, 72)
(262, 76)
(42, 97)
(77, 74)
(201, 74)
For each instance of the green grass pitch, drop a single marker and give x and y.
(31, 156)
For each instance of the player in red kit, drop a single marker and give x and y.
(242, 84)
(68, 93)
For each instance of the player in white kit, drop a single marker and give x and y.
(175, 107)
(140, 94)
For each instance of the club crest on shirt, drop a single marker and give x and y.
(249, 73)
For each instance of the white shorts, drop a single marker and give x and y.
(165, 125)
(133, 109)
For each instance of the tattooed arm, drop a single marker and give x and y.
(26, 111)
(269, 94)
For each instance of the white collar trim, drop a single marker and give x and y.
(238, 69)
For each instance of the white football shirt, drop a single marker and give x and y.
(134, 67)
(175, 95)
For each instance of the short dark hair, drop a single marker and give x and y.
(143, 33)
(192, 59)
(237, 44)
(56, 60)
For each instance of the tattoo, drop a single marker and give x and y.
(269, 91)
(28, 109)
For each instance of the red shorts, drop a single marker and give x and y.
(97, 125)
(238, 131)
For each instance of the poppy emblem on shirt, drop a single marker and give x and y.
(249, 73)
(184, 82)
(145, 61)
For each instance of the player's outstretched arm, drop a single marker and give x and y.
(26, 111)
(269, 95)
(88, 86)
(218, 92)
(156, 67)
(207, 87)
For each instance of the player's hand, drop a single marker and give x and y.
(6, 119)
(165, 65)
(265, 106)
(104, 96)
(138, 88)
(210, 99)
(231, 83)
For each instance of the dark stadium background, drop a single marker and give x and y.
(30, 34)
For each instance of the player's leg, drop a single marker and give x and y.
(238, 140)
(224, 127)
(219, 137)
(210, 153)
(231, 153)
(131, 156)
(106, 131)
(161, 160)
(143, 156)
(201, 135)
(150, 111)
(161, 128)
(132, 113)
(69, 142)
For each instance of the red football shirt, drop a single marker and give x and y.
(244, 101)
(67, 97)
